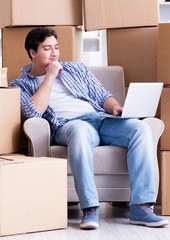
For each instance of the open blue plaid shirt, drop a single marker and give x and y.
(78, 80)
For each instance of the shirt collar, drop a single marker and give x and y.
(26, 68)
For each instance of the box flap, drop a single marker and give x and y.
(6, 161)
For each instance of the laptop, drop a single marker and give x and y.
(142, 100)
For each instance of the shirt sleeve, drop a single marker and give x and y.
(27, 105)
(97, 92)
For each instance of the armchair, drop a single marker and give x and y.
(110, 167)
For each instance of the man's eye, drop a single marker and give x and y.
(46, 48)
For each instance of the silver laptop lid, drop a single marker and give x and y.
(142, 100)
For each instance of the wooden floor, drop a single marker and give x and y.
(114, 224)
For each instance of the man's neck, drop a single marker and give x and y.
(37, 71)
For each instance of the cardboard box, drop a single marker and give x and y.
(135, 49)
(33, 194)
(3, 77)
(164, 53)
(165, 117)
(70, 42)
(165, 182)
(9, 120)
(102, 14)
(38, 12)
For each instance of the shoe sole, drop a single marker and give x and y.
(150, 224)
(89, 225)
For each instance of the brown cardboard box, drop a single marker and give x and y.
(165, 182)
(14, 55)
(102, 14)
(135, 49)
(164, 53)
(33, 194)
(165, 117)
(38, 12)
(9, 120)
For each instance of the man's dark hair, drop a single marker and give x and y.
(36, 36)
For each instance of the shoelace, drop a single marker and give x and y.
(147, 207)
(89, 210)
(145, 204)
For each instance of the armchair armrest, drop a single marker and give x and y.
(157, 127)
(37, 131)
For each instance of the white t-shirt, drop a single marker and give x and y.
(64, 103)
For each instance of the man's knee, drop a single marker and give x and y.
(79, 129)
(142, 129)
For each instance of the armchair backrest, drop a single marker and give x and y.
(112, 78)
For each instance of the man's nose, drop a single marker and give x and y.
(53, 50)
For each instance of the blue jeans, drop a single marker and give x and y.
(84, 133)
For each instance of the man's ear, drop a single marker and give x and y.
(32, 53)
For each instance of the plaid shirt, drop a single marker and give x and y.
(78, 80)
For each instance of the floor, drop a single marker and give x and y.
(114, 224)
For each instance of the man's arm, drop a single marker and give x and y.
(41, 97)
(112, 106)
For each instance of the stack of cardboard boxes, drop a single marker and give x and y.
(132, 35)
(164, 76)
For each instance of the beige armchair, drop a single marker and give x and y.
(110, 167)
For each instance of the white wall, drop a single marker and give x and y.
(95, 52)
(164, 11)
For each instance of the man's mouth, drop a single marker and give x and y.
(53, 59)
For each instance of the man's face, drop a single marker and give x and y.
(47, 52)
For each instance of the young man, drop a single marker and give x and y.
(71, 99)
